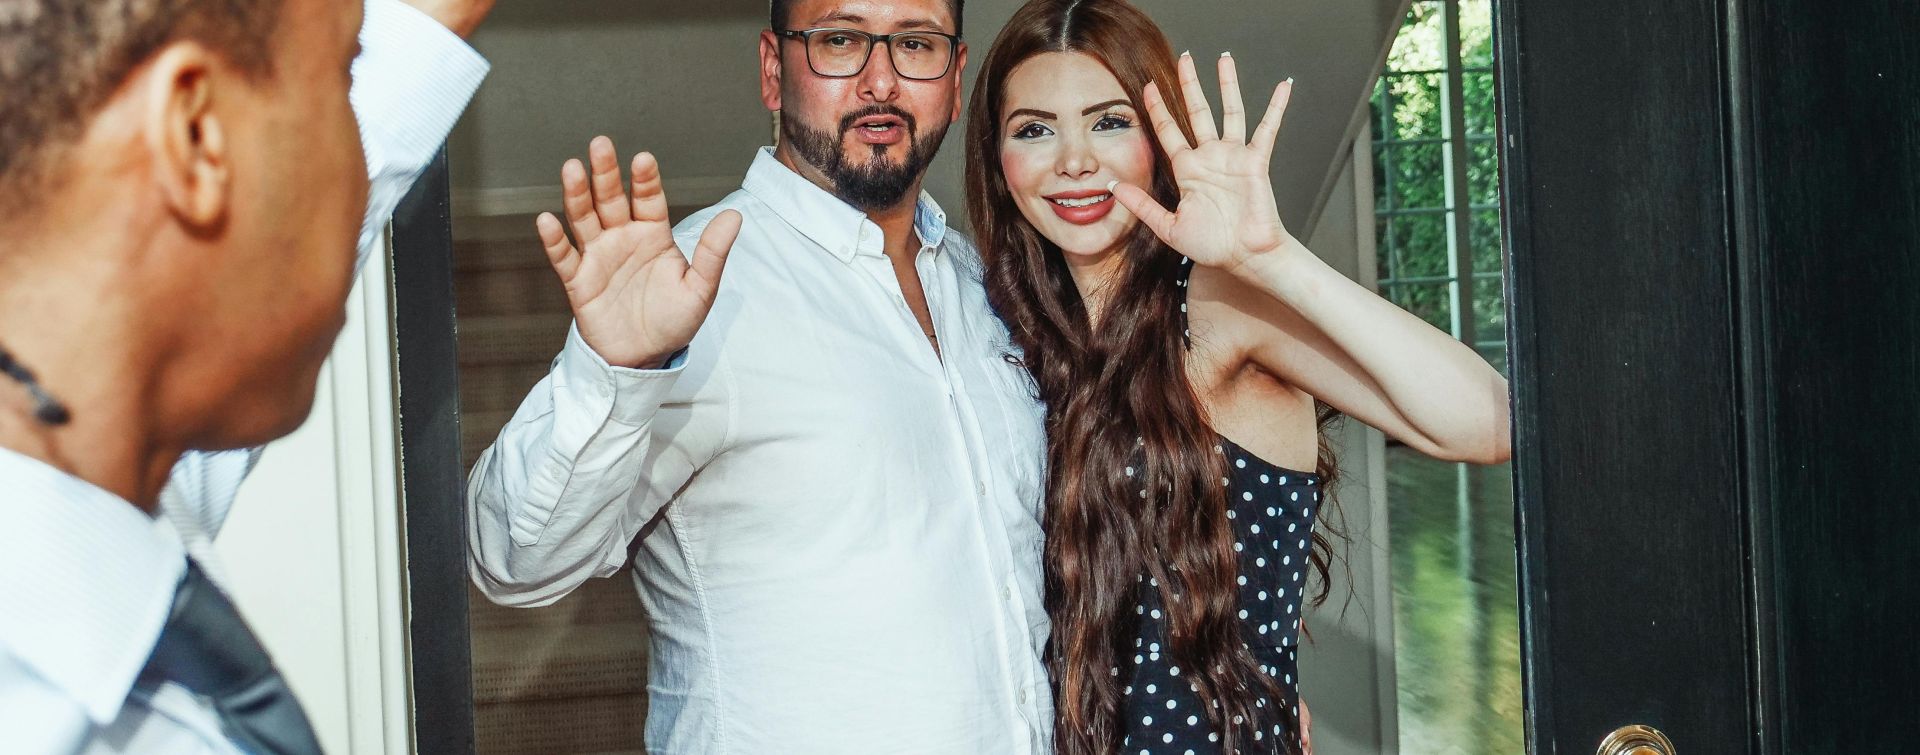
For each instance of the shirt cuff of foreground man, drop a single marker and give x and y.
(411, 82)
(631, 396)
(416, 74)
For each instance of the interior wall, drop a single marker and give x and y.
(311, 551)
(1347, 670)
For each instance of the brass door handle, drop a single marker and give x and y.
(1635, 739)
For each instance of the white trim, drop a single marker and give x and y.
(691, 191)
(312, 550)
(1367, 254)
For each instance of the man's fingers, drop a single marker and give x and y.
(560, 252)
(577, 199)
(710, 255)
(1269, 129)
(609, 196)
(1198, 112)
(1146, 208)
(1233, 113)
(649, 194)
(1164, 127)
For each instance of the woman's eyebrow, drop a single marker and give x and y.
(1030, 111)
(1102, 106)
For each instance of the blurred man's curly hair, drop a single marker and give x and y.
(60, 60)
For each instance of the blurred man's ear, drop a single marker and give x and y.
(186, 136)
(770, 69)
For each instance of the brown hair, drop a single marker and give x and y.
(1117, 398)
(61, 59)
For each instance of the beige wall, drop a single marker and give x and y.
(679, 79)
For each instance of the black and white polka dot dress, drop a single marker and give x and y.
(1272, 509)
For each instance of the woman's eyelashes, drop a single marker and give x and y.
(1109, 122)
(1112, 122)
(1032, 131)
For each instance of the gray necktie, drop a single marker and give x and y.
(208, 648)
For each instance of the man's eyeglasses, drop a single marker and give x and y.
(839, 53)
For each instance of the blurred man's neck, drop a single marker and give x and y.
(61, 319)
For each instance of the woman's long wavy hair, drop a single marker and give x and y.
(1117, 398)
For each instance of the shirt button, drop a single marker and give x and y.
(1007, 591)
(981, 488)
(1021, 697)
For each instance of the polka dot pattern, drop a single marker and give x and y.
(1162, 712)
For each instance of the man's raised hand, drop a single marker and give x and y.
(635, 297)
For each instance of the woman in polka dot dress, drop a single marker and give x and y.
(1188, 360)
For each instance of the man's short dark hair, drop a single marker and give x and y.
(61, 59)
(778, 15)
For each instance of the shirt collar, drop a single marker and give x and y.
(88, 583)
(826, 219)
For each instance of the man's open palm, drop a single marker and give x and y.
(635, 297)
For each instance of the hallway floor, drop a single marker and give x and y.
(1456, 616)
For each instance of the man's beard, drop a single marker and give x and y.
(873, 183)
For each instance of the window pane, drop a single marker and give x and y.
(1419, 246)
(1428, 301)
(1496, 355)
(1416, 176)
(1483, 172)
(1489, 310)
(1386, 256)
(1484, 237)
(1420, 45)
(1414, 101)
(1476, 33)
(1476, 103)
(1382, 188)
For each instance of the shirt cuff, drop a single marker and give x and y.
(633, 395)
(417, 74)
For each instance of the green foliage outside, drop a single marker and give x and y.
(1411, 154)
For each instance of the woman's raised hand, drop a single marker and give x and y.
(635, 296)
(1227, 213)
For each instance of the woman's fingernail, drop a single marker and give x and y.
(1110, 185)
(1186, 53)
(1227, 54)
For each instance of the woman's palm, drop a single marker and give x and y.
(1227, 211)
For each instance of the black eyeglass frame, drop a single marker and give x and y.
(806, 37)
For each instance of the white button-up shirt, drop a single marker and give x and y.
(89, 579)
(840, 543)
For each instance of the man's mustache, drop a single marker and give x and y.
(846, 124)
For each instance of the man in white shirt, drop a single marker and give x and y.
(182, 186)
(836, 477)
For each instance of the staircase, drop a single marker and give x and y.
(570, 677)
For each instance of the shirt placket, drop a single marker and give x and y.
(989, 530)
(938, 282)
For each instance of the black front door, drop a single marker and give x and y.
(1713, 228)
